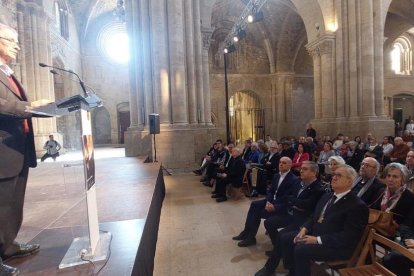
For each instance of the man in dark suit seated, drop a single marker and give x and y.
(396, 262)
(233, 175)
(301, 202)
(334, 230)
(268, 170)
(367, 186)
(273, 204)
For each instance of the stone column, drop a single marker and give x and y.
(177, 50)
(367, 58)
(190, 61)
(378, 58)
(206, 76)
(353, 82)
(314, 52)
(198, 62)
(283, 96)
(134, 65)
(160, 64)
(22, 40)
(146, 59)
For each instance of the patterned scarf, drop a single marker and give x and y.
(389, 200)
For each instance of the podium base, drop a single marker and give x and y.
(79, 252)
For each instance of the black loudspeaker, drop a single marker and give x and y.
(154, 123)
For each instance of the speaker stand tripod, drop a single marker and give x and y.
(155, 157)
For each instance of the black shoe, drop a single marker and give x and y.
(240, 236)
(6, 270)
(269, 253)
(24, 251)
(197, 172)
(213, 192)
(263, 272)
(247, 242)
(215, 196)
(221, 199)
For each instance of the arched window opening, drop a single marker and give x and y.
(113, 42)
(61, 18)
(247, 118)
(401, 56)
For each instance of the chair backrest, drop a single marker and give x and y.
(376, 239)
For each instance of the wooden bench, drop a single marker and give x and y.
(375, 267)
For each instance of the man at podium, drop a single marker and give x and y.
(17, 152)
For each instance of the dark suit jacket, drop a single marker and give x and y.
(402, 208)
(304, 204)
(235, 171)
(407, 228)
(274, 166)
(282, 191)
(16, 145)
(374, 193)
(343, 223)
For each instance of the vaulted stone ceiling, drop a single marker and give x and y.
(86, 11)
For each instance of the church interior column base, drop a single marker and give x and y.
(177, 147)
(354, 126)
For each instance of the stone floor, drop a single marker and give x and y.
(195, 235)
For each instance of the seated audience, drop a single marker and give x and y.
(333, 163)
(270, 167)
(247, 150)
(287, 150)
(409, 163)
(331, 234)
(273, 204)
(367, 186)
(374, 150)
(410, 127)
(396, 262)
(396, 197)
(324, 156)
(233, 175)
(300, 156)
(301, 202)
(387, 148)
(400, 151)
(354, 155)
(206, 159)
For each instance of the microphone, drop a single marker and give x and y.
(82, 84)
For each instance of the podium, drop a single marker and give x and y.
(95, 245)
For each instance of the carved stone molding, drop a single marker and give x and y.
(206, 36)
(324, 45)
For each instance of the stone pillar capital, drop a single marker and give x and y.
(324, 45)
(206, 36)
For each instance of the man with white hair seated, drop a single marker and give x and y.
(233, 175)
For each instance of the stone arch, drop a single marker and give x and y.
(246, 116)
(101, 126)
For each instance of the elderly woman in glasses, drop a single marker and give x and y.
(396, 197)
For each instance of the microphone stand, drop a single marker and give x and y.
(82, 84)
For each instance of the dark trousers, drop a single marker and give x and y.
(274, 223)
(256, 212)
(274, 259)
(297, 257)
(221, 184)
(47, 155)
(397, 263)
(12, 191)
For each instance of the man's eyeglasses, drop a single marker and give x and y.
(10, 40)
(363, 164)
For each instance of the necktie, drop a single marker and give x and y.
(327, 206)
(18, 93)
(331, 202)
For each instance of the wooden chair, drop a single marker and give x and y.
(246, 185)
(318, 267)
(375, 267)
